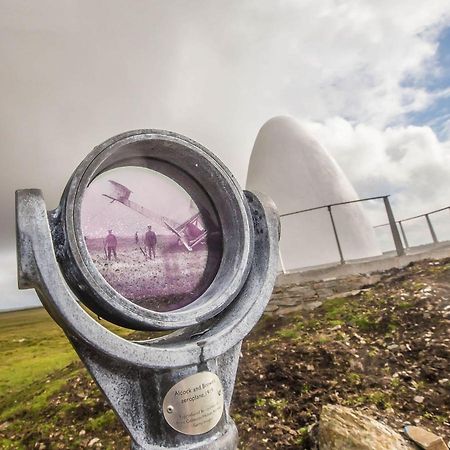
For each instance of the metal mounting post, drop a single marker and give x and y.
(172, 392)
(432, 232)
(403, 234)
(394, 230)
(341, 256)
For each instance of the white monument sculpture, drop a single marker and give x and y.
(289, 165)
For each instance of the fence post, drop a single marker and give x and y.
(430, 226)
(336, 235)
(281, 261)
(403, 234)
(394, 230)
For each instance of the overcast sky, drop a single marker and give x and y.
(371, 80)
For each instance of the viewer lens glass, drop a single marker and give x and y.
(149, 239)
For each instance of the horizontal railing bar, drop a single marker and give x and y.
(415, 217)
(334, 204)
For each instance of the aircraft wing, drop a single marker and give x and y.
(120, 193)
(182, 238)
(192, 219)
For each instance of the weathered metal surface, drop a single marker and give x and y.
(137, 376)
(394, 230)
(189, 164)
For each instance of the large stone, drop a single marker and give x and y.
(288, 301)
(330, 283)
(343, 428)
(345, 294)
(305, 291)
(271, 307)
(425, 439)
(324, 292)
(306, 306)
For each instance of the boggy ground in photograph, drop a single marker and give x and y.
(173, 279)
(384, 350)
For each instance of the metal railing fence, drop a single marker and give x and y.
(428, 220)
(392, 223)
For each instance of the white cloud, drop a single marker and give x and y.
(408, 162)
(215, 71)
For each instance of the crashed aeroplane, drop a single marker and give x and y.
(190, 233)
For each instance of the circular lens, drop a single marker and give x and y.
(198, 214)
(155, 243)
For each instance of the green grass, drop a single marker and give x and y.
(37, 360)
(31, 347)
(101, 422)
(350, 311)
(293, 330)
(354, 378)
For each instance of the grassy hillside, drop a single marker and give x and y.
(37, 362)
(31, 347)
(384, 349)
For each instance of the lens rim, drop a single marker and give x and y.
(192, 160)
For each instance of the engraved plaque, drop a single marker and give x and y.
(195, 404)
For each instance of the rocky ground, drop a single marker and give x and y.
(383, 350)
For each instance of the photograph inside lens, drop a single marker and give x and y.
(148, 238)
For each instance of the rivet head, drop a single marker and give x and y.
(170, 409)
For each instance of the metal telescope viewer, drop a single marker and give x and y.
(176, 247)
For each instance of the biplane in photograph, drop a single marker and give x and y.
(190, 233)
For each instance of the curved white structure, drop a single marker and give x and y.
(298, 173)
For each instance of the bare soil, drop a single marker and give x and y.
(385, 350)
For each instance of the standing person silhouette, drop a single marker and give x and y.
(111, 245)
(150, 242)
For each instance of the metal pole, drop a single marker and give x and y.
(430, 226)
(336, 235)
(403, 234)
(394, 230)
(281, 261)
